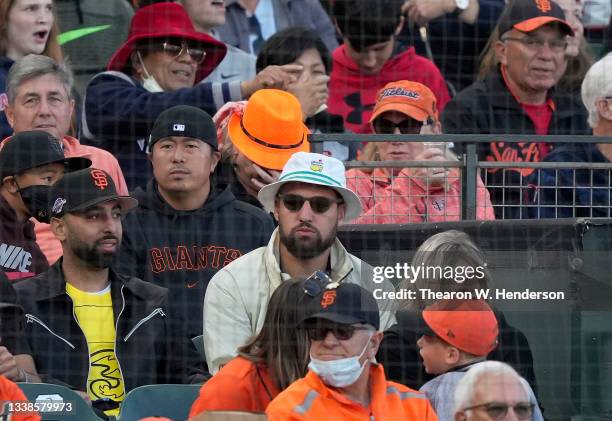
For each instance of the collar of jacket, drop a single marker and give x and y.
(500, 96)
(340, 262)
(378, 386)
(54, 284)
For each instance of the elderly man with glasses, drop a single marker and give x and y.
(518, 95)
(493, 391)
(581, 193)
(309, 201)
(343, 380)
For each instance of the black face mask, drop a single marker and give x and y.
(36, 199)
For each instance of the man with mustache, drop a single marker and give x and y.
(88, 326)
(519, 95)
(186, 228)
(309, 201)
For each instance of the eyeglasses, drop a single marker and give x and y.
(319, 331)
(175, 48)
(499, 410)
(319, 204)
(557, 45)
(407, 126)
(316, 283)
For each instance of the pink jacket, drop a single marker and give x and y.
(404, 199)
(100, 159)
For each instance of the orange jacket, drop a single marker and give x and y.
(310, 399)
(100, 159)
(236, 387)
(9, 391)
(404, 199)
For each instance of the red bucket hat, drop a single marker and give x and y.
(166, 19)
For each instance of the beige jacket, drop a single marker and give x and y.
(237, 297)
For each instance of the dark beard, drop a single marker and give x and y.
(306, 250)
(90, 255)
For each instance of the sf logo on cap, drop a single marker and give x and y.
(99, 178)
(328, 298)
(543, 5)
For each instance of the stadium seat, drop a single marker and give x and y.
(159, 400)
(229, 416)
(53, 393)
(198, 341)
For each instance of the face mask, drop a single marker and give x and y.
(36, 199)
(339, 373)
(149, 82)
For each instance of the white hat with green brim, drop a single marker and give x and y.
(313, 168)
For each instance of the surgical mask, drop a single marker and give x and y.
(149, 82)
(36, 200)
(339, 373)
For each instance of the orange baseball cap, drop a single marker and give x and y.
(469, 325)
(411, 98)
(271, 129)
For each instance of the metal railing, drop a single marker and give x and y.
(469, 166)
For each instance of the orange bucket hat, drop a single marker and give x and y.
(271, 129)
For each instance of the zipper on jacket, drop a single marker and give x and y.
(116, 335)
(154, 313)
(30, 318)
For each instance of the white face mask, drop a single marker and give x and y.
(339, 373)
(149, 82)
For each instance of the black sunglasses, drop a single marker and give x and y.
(318, 331)
(407, 126)
(499, 410)
(319, 204)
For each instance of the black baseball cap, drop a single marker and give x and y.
(184, 121)
(529, 15)
(26, 150)
(344, 303)
(80, 190)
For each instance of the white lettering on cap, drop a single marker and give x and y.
(178, 127)
(399, 92)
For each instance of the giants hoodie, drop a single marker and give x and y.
(352, 94)
(182, 250)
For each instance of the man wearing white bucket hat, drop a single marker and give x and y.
(309, 200)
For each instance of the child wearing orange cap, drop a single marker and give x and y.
(456, 335)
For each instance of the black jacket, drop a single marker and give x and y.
(399, 353)
(488, 107)
(182, 250)
(151, 345)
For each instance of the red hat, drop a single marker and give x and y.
(469, 325)
(410, 98)
(161, 20)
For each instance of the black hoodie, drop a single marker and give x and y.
(182, 250)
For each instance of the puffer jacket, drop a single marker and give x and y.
(406, 199)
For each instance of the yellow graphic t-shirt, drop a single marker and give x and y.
(94, 313)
